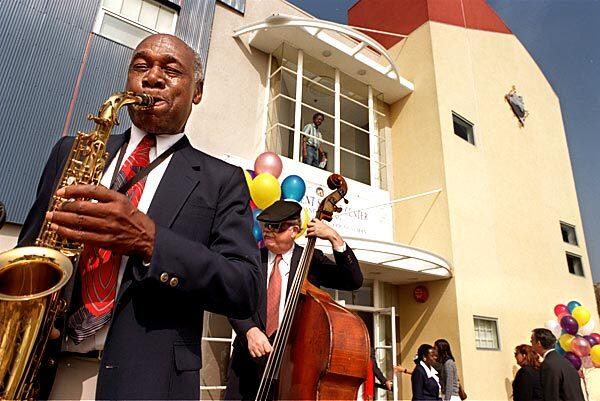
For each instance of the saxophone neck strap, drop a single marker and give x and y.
(143, 173)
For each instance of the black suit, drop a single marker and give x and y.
(527, 385)
(244, 371)
(560, 380)
(423, 388)
(203, 237)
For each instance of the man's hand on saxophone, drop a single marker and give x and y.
(111, 223)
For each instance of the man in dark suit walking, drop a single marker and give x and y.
(178, 242)
(560, 380)
(280, 257)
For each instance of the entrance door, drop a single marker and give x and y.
(381, 323)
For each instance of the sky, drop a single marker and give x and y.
(562, 36)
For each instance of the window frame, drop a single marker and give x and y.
(497, 326)
(578, 257)
(377, 167)
(102, 12)
(574, 230)
(469, 125)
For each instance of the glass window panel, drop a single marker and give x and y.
(281, 111)
(486, 333)
(354, 113)
(318, 71)
(324, 157)
(355, 167)
(285, 55)
(121, 31)
(131, 9)
(217, 326)
(215, 359)
(113, 5)
(326, 128)
(285, 83)
(363, 296)
(164, 23)
(354, 139)
(149, 14)
(281, 141)
(354, 89)
(318, 97)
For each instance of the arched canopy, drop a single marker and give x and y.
(340, 46)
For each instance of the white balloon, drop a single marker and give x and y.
(587, 329)
(554, 327)
(586, 362)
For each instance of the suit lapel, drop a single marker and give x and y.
(178, 182)
(293, 267)
(114, 144)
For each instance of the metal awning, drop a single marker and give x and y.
(393, 262)
(349, 50)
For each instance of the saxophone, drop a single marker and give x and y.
(31, 278)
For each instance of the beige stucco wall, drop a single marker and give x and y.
(497, 220)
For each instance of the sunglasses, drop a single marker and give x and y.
(276, 227)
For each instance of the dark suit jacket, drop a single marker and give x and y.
(560, 380)
(343, 274)
(527, 385)
(423, 388)
(203, 237)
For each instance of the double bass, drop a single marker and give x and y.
(321, 350)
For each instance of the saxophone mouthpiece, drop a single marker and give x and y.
(147, 100)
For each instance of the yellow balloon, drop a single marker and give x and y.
(595, 353)
(565, 341)
(265, 190)
(582, 315)
(305, 219)
(248, 179)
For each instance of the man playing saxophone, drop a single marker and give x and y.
(177, 242)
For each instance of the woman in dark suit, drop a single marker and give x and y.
(527, 385)
(425, 381)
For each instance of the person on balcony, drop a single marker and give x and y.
(311, 141)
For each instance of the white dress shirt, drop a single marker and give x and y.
(163, 142)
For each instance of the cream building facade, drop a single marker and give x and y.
(475, 219)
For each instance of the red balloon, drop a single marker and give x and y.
(561, 309)
(252, 205)
(268, 162)
(580, 347)
(596, 337)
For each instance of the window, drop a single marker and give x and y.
(463, 128)
(129, 21)
(574, 264)
(327, 119)
(568, 233)
(486, 333)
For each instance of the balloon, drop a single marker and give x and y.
(595, 354)
(561, 309)
(261, 244)
(574, 359)
(582, 315)
(587, 329)
(553, 326)
(558, 348)
(252, 173)
(265, 190)
(580, 347)
(596, 337)
(561, 315)
(255, 214)
(569, 324)
(248, 179)
(257, 232)
(293, 187)
(252, 205)
(572, 305)
(268, 162)
(305, 217)
(590, 340)
(587, 363)
(565, 342)
(596, 365)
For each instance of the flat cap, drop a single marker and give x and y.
(280, 211)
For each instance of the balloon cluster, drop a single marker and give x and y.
(265, 189)
(574, 328)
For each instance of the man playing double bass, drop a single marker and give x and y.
(279, 260)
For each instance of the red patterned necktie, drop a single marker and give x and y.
(99, 267)
(273, 298)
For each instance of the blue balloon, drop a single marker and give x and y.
(572, 305)
(559, 349)
(257, 232)
(255, 214)
(293, 187)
